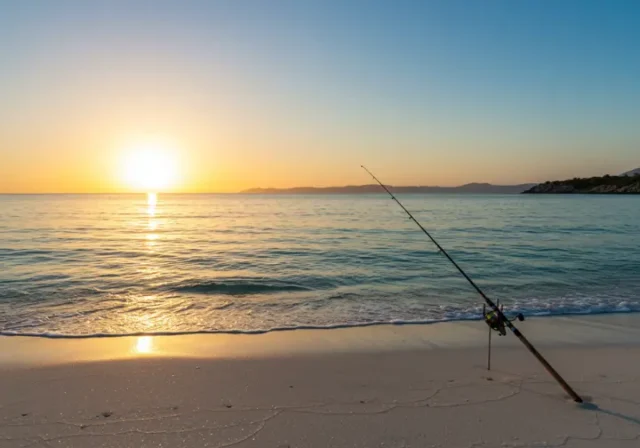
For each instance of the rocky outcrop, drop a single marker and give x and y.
(632, 172)
(591, 185)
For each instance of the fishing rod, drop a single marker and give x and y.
(489, 302)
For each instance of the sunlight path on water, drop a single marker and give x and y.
(119, 264)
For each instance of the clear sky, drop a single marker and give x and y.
(288, 93)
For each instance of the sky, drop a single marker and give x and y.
(279, 93)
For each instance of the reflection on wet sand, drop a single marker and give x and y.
(144, 345)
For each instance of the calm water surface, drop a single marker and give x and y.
(121, 264)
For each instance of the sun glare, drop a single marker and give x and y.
(150, 167)
(144, 345)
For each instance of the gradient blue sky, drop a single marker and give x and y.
(286, 93)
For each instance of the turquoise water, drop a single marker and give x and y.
(115, 264)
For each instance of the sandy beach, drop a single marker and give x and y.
(383, 386)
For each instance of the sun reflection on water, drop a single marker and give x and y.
(152, 201)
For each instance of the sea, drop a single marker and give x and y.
(110, 265)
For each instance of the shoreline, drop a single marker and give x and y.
(602, 330)
(47, 335)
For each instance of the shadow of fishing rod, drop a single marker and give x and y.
(594, 407)
(500, 315)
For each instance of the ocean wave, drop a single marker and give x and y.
(239, 264)
(399, 322)
(234, 287)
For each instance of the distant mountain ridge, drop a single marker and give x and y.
(477, 188)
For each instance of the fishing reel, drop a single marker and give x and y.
(497, 321)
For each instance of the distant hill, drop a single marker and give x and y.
(624, 184)
(632, 172)
(474, 188)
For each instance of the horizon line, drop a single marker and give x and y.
(256, 188)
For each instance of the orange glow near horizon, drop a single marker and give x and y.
(217, 97)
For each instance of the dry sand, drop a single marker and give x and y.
(410, 386)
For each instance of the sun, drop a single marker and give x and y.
(150, 167)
